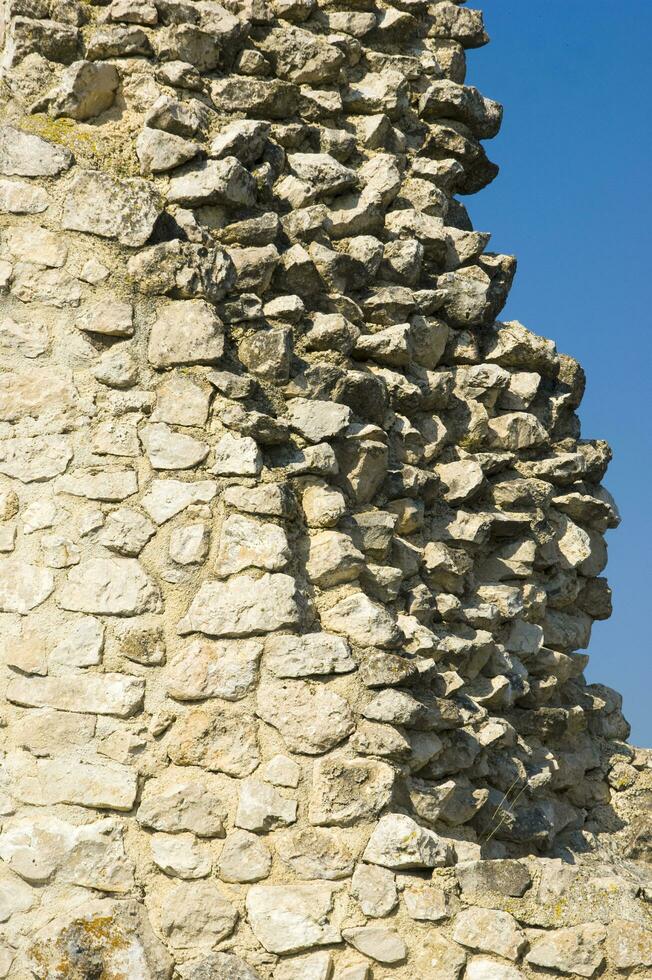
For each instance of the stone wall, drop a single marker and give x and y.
(299, 544)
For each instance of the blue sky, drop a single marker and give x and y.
(572, 202)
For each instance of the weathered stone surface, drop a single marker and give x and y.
(45, 782)
(289, 918)
(215, 740)
(570, 951)
(311, 719)
(347, 790)
(246, 543)
(380, 943)
(374, 889)
(262, 808)
(25, 155)
(109, 586)
(35, 459)
(183, 800)
(362, 621)
(244, 858)
(101, 205)
(398, 842)
(105, 694)
(490, 932)
(23, 586)
(92, 855)
(204, 669)
(195, 915)
(310, 654)
(186, 332)
(99, 935)
(243, 606)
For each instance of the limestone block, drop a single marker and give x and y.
(109, 586)
(243, 606)
(290, 918)
(310, 718)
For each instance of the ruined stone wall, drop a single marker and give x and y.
(298, 544)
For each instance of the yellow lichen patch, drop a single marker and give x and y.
(108, 148)
(87, 937)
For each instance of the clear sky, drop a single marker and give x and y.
(572, 202)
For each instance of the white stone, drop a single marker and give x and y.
(237, 456)
(374, 889)
(166, 498)
(216, 739)
(315, 966)
(110, 317)
(189, 544)
(347, 790)
(35, 459)
(91, 855)
(243, 606)
(311, 719)
(103, 694)
(23, 586)
(333, 559)
(27, 155)
(126, 532)
(33, 243)
(109, 586)
(576, 951)
(460, 479)
(46, 782)
(110, 485)
(291, 918)
(323, 505)
(262, 808)
(267, 499)
(34, 393)
(170, 450)
(378, 942)
(180, 855)
(425, 902)
(125, 209)
(481, 968)
(303, 656)
(399, 843)
(195, 915)
(246, 543)
(18, 197)
(179, 401)
(81, 646)
(202, 669)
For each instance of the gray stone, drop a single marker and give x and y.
(489, 931)
(26, 155)
(102, 205)
(399, 843)
(575, 951)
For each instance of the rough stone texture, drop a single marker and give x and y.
(300, 544)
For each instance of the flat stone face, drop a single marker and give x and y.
(570, 951)
(290, 918)
(345, 791)
(46, 782)
(205, 669)
(23, 586)
(109, 586)
(312, 653)
(490, 932)
(101, 205)
(26, 155)
(310, 719)
(399, 842)
(216, 740)
(183, 800)
(104, 694)
(35, 459)
(186, 332)
(243, 606)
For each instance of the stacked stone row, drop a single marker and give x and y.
(298, 544)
